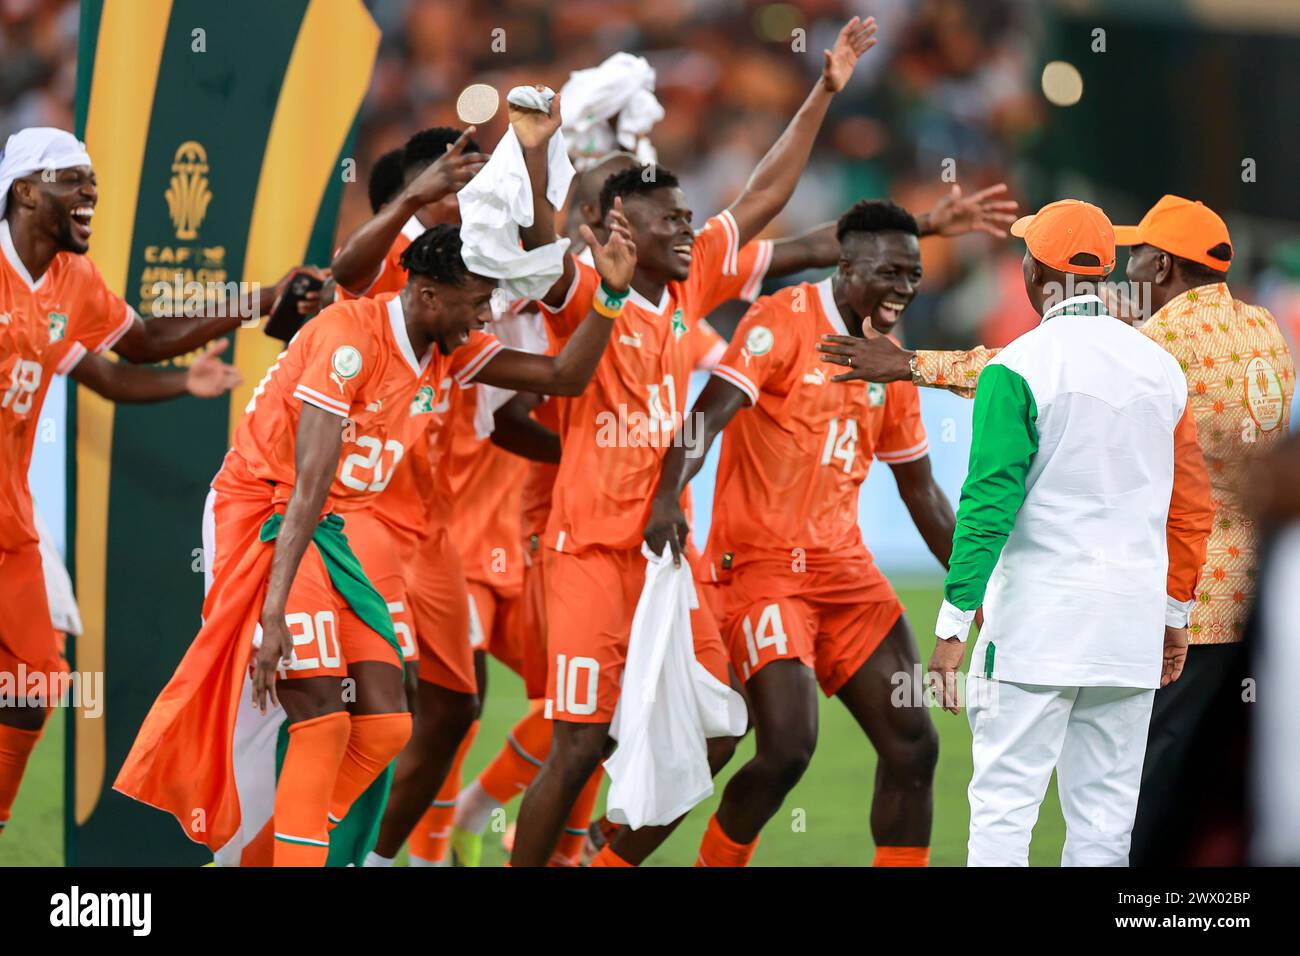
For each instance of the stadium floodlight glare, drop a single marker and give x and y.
(1062, 83)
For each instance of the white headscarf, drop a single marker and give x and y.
(35, 148)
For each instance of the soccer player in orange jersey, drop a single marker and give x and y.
(56, 316)
(322, 436)
(615, 435)
(803, 602)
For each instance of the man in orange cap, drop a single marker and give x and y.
(1240, 381)
(1081, 530)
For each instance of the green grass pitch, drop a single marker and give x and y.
(823, 821)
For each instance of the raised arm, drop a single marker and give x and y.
(954, 215)
(569, 372)
(361, 257)
(317, 445)
(878, 358)
(773, 181)
(716, 406)
(534, 130)
(207, 377)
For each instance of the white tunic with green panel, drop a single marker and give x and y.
(1061, 527)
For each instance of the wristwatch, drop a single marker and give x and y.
(912, 367)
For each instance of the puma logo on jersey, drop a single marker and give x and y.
(815, 377)
(632, 341)
(375, 406)
(4, 318)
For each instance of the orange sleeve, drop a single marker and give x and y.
(561, 321)
(338, 357)
(902, 437)
(96, 319)
(468, 360)
(707, 346)
(760, 352)
(716, 269)
(1191, 511)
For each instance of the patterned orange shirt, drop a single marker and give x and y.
(1240, 383)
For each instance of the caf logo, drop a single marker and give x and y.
(188, 194)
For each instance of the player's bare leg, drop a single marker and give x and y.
(576, 752)
(783, 707)
(906, 742)
(443, 717)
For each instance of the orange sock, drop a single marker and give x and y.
(718, 849)
(374, 742)
(902, 856)
(15, 747)
(428, 841)
(514, 768)
(302, 795)
(607, 857)
(568, 851)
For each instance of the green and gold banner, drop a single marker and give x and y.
(219, 134)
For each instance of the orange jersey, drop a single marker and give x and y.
(46, 327)
(355, 360)
(391, 277)
(483, 484)
(616, 433)
(791, 465)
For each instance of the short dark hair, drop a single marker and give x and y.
(1199, 272)
(429, 145)
(385, 179)
(435, 255)
(876, 215)
(634, 181)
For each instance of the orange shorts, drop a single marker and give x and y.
(379, 549)
(590, 600)
(27, 634)
(439, 601)
(492, 616)
(327, 634)
(832, 619)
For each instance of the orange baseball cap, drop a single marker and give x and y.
(1182, 228)
(1062, 230)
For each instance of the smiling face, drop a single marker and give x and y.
(62, 207)
(661, 229)
(446, 314)
(879, 274)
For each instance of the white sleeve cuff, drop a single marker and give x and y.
(1178, 613)
(953, 622)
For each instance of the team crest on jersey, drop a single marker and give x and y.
(422, 404)
(58, 326)
(679, 325)
(346, 362)
(759, 341)
(875, 394)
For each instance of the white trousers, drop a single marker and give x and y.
(1094, 737)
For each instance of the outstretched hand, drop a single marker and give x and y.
(208, 376)
(616, 259)
(857, 37)
(985, 211)
(449, 173)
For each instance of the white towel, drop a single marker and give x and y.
(35, 148)
(64, 613)
(669, 704)
(518, 328)
(623, 87)
(496, 202)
